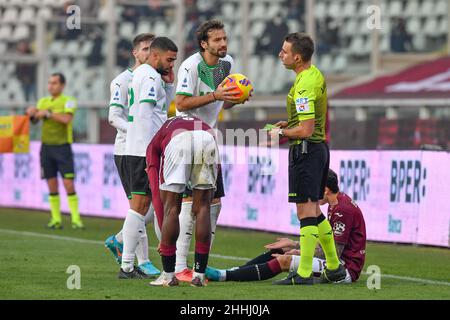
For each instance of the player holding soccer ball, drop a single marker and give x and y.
(202, 93)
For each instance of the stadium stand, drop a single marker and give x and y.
(348, 50)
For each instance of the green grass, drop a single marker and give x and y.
(34, 267)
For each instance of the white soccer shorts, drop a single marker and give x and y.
(190, 158)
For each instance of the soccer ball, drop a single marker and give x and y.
(244, 86)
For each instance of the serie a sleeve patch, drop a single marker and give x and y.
(302, 105)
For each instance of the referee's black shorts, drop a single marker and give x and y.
(119, 160)
(308, 172)
(220, 190)
(57, 158)
(137, 176)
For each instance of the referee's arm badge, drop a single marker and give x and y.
(70, 105)
(302, 105)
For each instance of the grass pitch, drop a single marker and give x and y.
(34, 261)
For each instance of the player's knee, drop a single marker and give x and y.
(69, 186)
(201, 209)
(285, 262)
(171, 212)
(52, 185)
(140, 204)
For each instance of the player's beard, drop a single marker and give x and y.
(221, 54)
(164, 72)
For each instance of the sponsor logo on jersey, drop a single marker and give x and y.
(116, 96)
(70, 104)
(184, 85)
(339, 228)
(152, 92)
(301, 104)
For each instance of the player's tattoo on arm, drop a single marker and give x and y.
(319, 253)
(339, 248)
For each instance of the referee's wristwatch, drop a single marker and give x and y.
(280, 133)
(48, 115)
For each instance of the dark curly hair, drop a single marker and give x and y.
(332, 181)
(205, 28)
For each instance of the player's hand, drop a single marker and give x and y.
(249, 97)
(41, 114)
(159, 247)
(275, 134)
(281, 124)
(275, 255)
(282, 243)
(31, 111)
(293, 252)
(169, 78)
(223, 93)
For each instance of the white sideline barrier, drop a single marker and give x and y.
(403, 194)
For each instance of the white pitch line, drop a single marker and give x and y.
(97, 242)
(79, 240)
(392, 276)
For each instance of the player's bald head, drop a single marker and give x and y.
(302, 44)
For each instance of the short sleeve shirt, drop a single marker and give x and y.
(307, 100)
(196, 78)
(53, 132)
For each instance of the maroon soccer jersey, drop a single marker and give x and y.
(155, 154)
(349, 229)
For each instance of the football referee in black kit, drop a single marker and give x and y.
(309, 158)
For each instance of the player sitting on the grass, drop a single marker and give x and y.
(349, 234)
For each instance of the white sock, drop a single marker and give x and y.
(157, 229)
(148, 218)
(215, 211)
(317, 267)
(199, 275)
(185, 236)
(119, 236)
(223, 275)
(142, 249)
(150, 215)
(133, 229)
